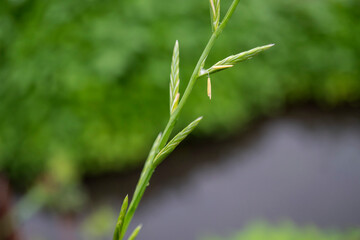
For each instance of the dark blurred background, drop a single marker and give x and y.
(84, 91)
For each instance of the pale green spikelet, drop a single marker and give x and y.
(233, 59)
(215, 14)
(135, 233)
(120, 220)
(175, 141)
(174, 79)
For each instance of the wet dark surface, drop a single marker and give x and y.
(303, 166)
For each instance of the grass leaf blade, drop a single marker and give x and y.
(135, 233)
(120, 220)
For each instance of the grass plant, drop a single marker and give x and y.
(162, 147)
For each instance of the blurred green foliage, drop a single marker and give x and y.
(99, 224)
(286, 231)
(57, 189)
(89, 79)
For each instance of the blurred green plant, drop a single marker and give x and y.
(286, 231)
(99, 224)
(162, 147)
(82, 77)
(58, 189)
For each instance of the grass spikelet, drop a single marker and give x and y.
(233, 59)
(215, 14)
(174, 77)
(175, 141)
(243, 56)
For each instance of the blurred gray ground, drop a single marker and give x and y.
(303, 166)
